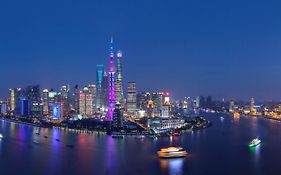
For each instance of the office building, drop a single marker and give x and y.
(33, 94)
(99, 87)
(117, 116)
(132, 98)
(86, 103)
(119, 96)
(45, 102)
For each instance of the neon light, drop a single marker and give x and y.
(111, 90)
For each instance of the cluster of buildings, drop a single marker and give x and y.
(267, 109)
(103, 100)
(106, 100)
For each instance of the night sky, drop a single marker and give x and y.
(223, 48)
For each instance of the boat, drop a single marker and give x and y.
(255, 142)
(57, 140)
(1, 136)
(37, 133)
(172, 152)
(117, 136)
(46, 136)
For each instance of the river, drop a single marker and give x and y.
(221, 149)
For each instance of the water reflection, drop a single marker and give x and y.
(172, 166)
(255, 154)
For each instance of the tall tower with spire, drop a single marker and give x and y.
(111, 83)
(119, 96)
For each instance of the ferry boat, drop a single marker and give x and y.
(172, 152)
(254, 142)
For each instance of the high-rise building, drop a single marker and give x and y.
(200, 102)
(86, 103)
(64, 99)
(3, 108)
(76, 99)
(99, 86)
(12, 100)
(45, 102)
(19, 94)
(92, 90)
(231, 106)
(252, 104)
(57, 111)
(119, 96)
(33, 94)
(132, 98)
(142, 100)
(186, 103)
(209, 102)
(111, 84)
(104, 95)
(167, 106)
(117, 116)
(150, 108)
(158, 100)
(24, 106)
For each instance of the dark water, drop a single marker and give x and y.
(220, 149)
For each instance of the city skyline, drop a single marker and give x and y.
(140, 87)
(210, 49)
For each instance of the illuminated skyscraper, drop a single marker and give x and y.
(12, 100)
(86, 103)
(99, 86)
(119, 96)
(64, 99)
(34, 96)
(19, 94)
(132, 98)
(92, 90)
(104, 96)
(117, 116)
(52, 99)
(45, 102)
(111, 84)
(231, 106)
(3, 108)
(76, 99)
(252, 104)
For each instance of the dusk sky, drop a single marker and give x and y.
(222, 48)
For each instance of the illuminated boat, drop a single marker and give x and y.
(172, 152)
(254, 142)
(1, 136)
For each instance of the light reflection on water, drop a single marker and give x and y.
(172, 166)
(104, 155)
(255, 153)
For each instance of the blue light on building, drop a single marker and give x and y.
(56, 111)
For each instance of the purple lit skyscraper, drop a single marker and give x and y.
(111, 84)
